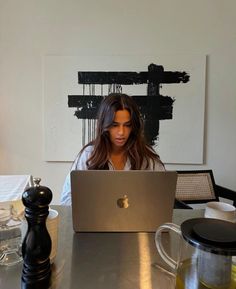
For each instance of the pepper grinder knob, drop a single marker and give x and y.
(36, 181)
(36, 246)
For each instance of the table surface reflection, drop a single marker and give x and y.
(103, 260)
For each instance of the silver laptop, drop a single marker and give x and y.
(121, 201)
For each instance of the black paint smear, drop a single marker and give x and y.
(124, 78)
(129, 78)
(87, 106)
(153, 106)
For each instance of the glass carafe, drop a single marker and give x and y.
(204, 253)
(10, 236)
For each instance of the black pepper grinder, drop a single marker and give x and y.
(36, 246)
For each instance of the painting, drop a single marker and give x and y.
(169, 90)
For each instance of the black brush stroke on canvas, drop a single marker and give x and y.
(153, 106)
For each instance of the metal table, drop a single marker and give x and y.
(102, 260)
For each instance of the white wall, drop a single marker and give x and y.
(31, 29)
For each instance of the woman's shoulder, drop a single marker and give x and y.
(159, 166)
(86, 152)
(154, 161)
(83, 156)
(153, 165)
(87, 149)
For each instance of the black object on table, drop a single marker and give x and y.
(36, 245)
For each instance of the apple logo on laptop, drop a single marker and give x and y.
(123, 203)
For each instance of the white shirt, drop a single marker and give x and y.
(80, 164)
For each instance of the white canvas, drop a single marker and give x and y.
(180, 139)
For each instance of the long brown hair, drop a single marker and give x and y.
(136, 148)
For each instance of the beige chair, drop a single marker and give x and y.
(198, 186)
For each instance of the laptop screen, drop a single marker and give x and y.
(122, 201)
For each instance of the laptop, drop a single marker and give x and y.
(122, 201)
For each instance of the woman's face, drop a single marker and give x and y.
(120, 129)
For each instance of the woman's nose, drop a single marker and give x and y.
(121, 130)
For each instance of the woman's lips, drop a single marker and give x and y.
(120, 140)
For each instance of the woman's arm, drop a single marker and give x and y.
(79, 164)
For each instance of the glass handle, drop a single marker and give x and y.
(158, 240)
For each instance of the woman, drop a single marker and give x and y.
(119, 142)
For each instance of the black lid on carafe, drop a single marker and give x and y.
(212, 235)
